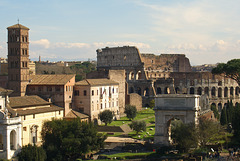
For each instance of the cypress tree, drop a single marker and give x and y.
(223, 118)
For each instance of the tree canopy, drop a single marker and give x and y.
(130, 111)
(106, 116)
(32, 153)
(69, 140)
(138, 126)
(231, 69)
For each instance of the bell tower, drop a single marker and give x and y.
(18, 59)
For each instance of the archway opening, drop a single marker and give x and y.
(219, 92)
(206, 91)
(167, 90)
(219, 107)
(192, 90)
(139, 91)
(225, 92)
(213, 92)
(146, 92)
(177, 90)
(199, 91)
(131, 90)
(172, 125)
(159, 90)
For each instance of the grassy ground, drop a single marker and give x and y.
(144, 114)
(148, 116)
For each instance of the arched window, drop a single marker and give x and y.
(237, 91)
(226, 92)
(213, 92)
(34, 134)
(231, 91)
(219, 92)
(13, 139)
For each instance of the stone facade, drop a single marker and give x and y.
(169, 107)
(135, 100)
(150, 75)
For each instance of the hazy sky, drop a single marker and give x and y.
(207, 31)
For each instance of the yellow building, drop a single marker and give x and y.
(33, 111)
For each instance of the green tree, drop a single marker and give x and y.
(231, 69)
(32, 153)
(138, 126)
(236, 121)
(69, 140)
(152, 103)
(106, 116)
(185, 136)
(206, 129)
(223, 117)
(130, 111)
(215, 111)
(229, 111)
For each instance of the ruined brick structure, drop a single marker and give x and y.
(150, 75)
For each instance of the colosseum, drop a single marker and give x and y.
(150, 75)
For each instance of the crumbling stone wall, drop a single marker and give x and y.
(135, 100)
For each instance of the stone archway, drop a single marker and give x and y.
(168, 107)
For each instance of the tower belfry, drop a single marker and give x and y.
(18, 59)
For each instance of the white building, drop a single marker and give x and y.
(92, 96)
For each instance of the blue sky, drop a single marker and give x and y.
(207, 31)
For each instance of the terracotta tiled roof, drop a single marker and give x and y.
(27, 101)
(75, 114)
(38, 110)
(96, 82)
(18, 26)
(56, 79)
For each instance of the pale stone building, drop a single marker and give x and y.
(92, 96)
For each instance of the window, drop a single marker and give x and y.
(40, 89)
(112, 104)
(116, 90)
(101, 106)
(57, 88)
(59, 112)
(97, 92)
(49, 88)
(92, 92)
(24, 117)
(84, 92)
(33, 116)
(76, 93)
(66, 88)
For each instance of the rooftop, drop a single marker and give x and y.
(27, 101)
(96, 82)
(18, 26)
(56, 79)
(76, 114)
(38, 110)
